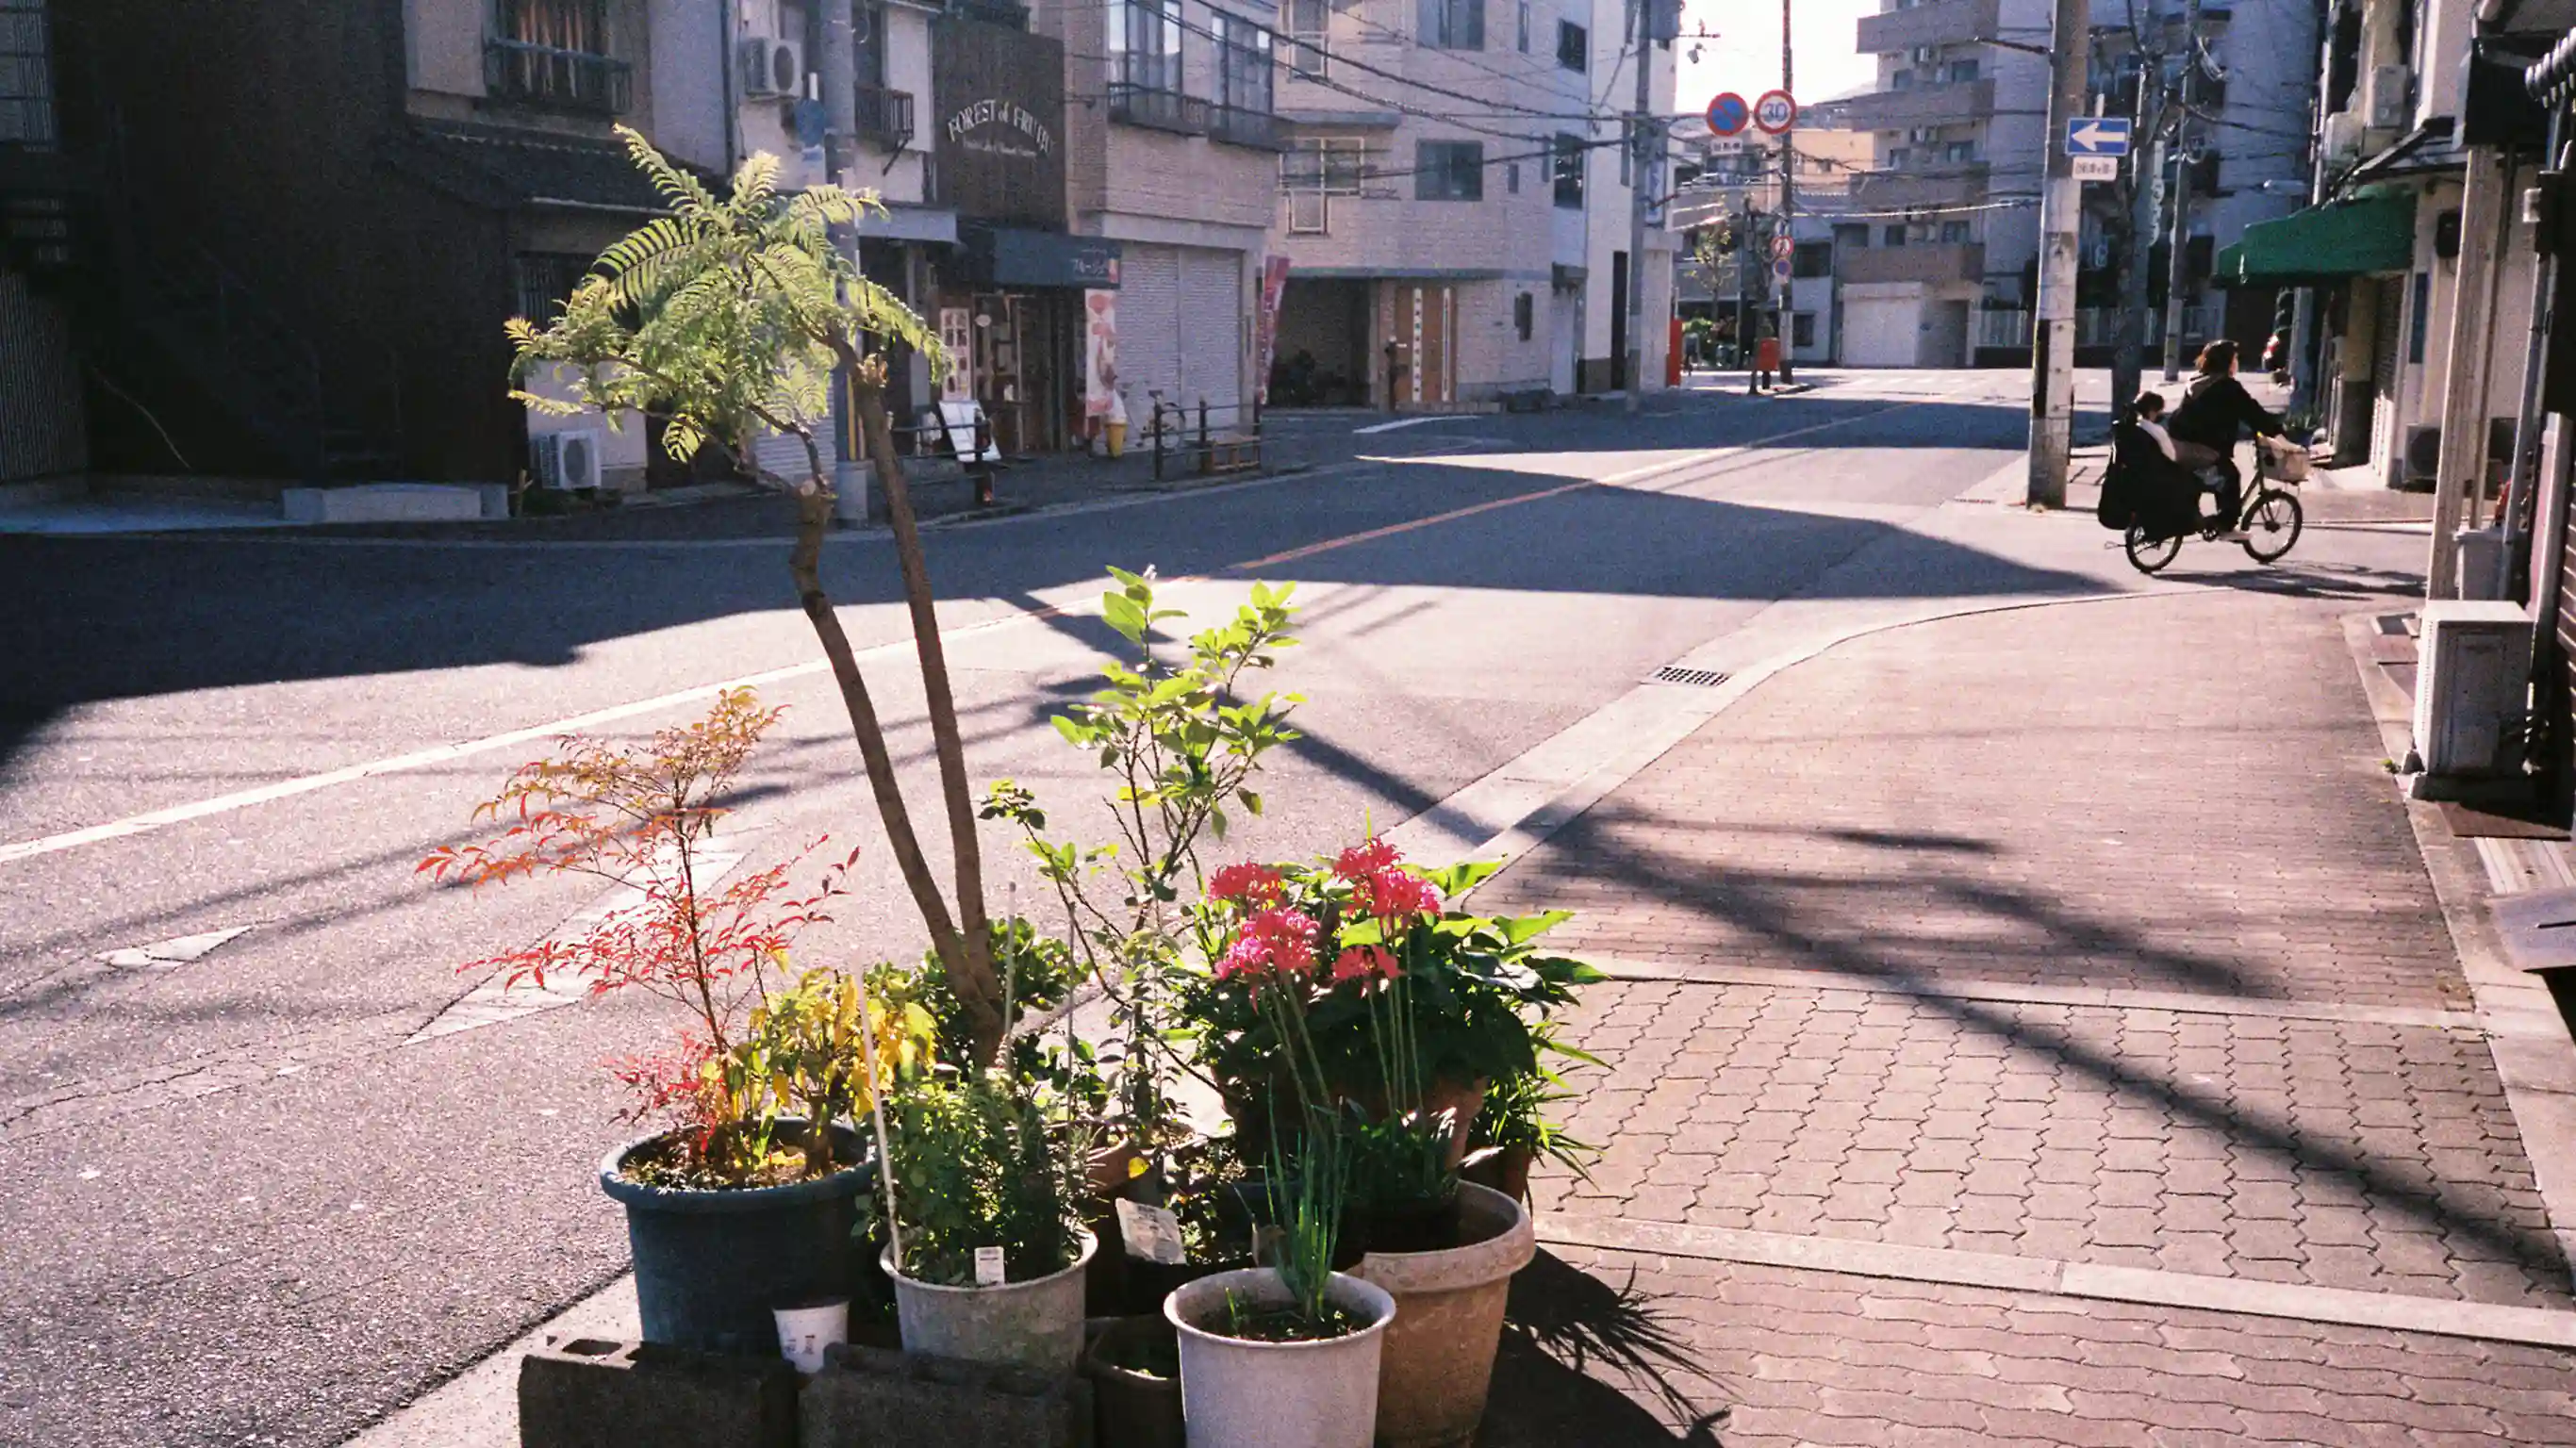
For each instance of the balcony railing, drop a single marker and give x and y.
(885, 116)
(1931, 262)
(1943, 22)
(1951, 183)
(1892, 110)
(992, 12)
(1238, 126)
(1157, 109)
(555, 78)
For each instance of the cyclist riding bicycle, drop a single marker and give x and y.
(2204, 427)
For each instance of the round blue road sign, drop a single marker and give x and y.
(1728, 114)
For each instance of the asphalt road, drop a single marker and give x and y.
(242, 1210)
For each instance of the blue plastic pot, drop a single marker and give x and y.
(710, 1266)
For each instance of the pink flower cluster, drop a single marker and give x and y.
(1273, 943)
(1380, 888)
(1360, 962)
(1256, 887)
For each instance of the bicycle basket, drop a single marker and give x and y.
(2290, 464)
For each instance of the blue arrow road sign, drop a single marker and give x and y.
(2097, 136)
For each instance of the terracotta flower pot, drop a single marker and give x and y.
(1134, 1409)
(1439, 1359)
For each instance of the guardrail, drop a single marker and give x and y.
(1181, 433)
(550, 75)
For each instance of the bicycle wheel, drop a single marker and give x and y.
(2150, 554)
(2272, 525)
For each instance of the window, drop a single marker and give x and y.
(2419, 316)
(1959, 151)
(1512, 178)
(27, 77)
(1313, 171)
(1802, 329)
(1450, 24)
(1899, 157)
(1309, 30)
(1243, 64)
(1145, 44)
(1853, 238)
(1901, 80)
(1573, 46)
(1961, 72)
(1813, 259)
(1567, 165)
(1449, 171)
(1893, 235)
(869, 21)
(1524, 315)
(555, 53)
(544, 281)
(1524, 26)
(1954, 233)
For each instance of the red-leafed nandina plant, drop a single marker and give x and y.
(758, 1044)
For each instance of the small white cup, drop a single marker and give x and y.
(803, 1332)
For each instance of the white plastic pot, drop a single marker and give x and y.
(1036, 1324)
(1241, 1394)
(803, 1332)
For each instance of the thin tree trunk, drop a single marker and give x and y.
(977, 987)
(805, 563)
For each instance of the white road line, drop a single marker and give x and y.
(1413, 422)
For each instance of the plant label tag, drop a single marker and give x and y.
(1152, 1233)
(988, 1266)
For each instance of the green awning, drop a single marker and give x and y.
(2372, 232)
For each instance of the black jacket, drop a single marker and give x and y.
(2213, 408)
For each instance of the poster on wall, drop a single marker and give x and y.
(1274, 285)
(1100, 352)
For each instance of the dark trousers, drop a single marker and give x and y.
(1757, 380)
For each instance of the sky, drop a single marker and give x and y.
(1737, 45)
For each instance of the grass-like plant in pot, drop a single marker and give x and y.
(986, 1246)
(744, 1200)
(1286, 1355)
(1513, 1132)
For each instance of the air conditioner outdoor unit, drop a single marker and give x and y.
(770, 67)
(2469, 687)
(565, 459)
(2423, 458)
(2391, 97)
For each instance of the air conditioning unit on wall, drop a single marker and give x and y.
(2469, 690)
(2392, 97)
(770, 67)
(565, 459)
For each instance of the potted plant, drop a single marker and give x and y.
(1513, 1132)
(744, 1201)
(984, 1241)
(1285, 1354)
(1397, 1039)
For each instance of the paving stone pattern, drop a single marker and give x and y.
(2340, 1155)
(1610, 1350)
(2179, 795)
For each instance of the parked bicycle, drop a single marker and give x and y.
(2270, 519)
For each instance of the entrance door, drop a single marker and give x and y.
(1426, 320)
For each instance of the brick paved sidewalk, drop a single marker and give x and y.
(2008, 949)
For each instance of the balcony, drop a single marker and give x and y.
(1156, 109)
(1943, 22)
(557, 79)
(1240, 126)
(1947, 184)
(992, 12)
(1938, 105)
(1951, 262)
(884, 117)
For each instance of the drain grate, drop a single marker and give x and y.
(1696, 678)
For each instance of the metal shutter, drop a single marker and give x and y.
(41, 431)
(1149, 326)
(1212, 338)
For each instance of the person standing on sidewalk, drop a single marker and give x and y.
(1766, 360)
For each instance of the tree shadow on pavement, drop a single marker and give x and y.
(1570, 1341)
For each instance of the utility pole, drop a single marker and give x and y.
(2177, 257)
(2129, 361)
(1788, 205)
(1640, 121)
(2061, 204)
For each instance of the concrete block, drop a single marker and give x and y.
(587, 1392)
(388, 503)
(867, 1396)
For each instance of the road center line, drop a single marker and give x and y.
(445, 753)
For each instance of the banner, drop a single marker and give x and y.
(1274, 285)
(1100, 352)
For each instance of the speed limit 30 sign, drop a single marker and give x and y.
(1775, 111)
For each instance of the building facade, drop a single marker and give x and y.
(1452, 205)
(43, 431)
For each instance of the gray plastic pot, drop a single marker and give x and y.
(1241, 1394)
(1448, 1321)
(1036, 1324)
(711, 1265)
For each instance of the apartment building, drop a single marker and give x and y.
(43, 434)
(1735, 180)
(1609, 191)
(1957, 126)
(1174, 156)
(1452, 203)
